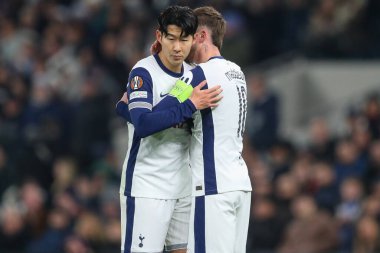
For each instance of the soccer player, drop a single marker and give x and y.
(155, 189)
(221, 185)
(220, 181)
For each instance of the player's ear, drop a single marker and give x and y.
(158, 36)
(202, 35)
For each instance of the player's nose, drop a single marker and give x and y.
(177, 46)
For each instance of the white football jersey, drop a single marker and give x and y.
(217, 135)
(156, 166)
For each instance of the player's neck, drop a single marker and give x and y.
(209, 51)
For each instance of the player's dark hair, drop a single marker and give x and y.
(180, 16)
(212, 19)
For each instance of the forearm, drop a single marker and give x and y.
(122, 111)
(157, 120)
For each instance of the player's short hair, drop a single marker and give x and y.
(212, 19)
(181, 16)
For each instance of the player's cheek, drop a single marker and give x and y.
(188, 46)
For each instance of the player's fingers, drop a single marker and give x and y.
(215, 93)
(214, 89)
(216, 99)
(125, 97)
(201, 85)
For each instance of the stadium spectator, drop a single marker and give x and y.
(304, 234)
(322, 144)
(348, 210)
(265, 227)
(367, 238)
(263, 118)
(325, 192)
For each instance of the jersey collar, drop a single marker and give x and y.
(216, 57)
(164, 68)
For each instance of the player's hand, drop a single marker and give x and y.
(124, 98)
(206, 98)
(155, 48)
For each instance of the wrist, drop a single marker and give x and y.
(191, 104)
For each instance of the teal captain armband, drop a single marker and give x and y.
(181, 91)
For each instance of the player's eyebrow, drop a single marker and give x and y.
(182, 36)
(171, 35)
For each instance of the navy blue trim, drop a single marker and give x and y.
(164, 68)
(131, 164)
(199, 225)
(130, 220)
(198, 76)
(208, 138)
(216, 57)
(208, 152)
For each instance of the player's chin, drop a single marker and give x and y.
(178, 59)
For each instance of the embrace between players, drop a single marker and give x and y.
(185, 186)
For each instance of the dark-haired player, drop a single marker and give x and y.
(156, 180)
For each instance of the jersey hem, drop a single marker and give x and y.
(128, 194)
(220, 192)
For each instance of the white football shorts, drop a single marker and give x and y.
(149, 225)
(219, 223)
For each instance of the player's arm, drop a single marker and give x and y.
(182, 92)
(192, 86)
(149, 122)
(140, 99)
(122, 108)
(177, 100)
(122, 104)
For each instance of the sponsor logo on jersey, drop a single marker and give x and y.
(136, 83)
(234, 74)
(163, 95)
(138, 94)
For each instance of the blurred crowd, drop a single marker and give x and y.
(64, 64)
(319, 197)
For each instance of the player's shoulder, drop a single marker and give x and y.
(223, 65)
(219, 62)
(145, 63)
(144, 68)
(188, 66)
(233, 65)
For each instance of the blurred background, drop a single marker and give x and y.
(312, 134)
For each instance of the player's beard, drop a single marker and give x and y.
(190, 58)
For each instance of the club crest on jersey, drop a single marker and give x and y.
(141, 238)
(136, 83)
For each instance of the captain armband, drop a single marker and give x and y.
(181, 91)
